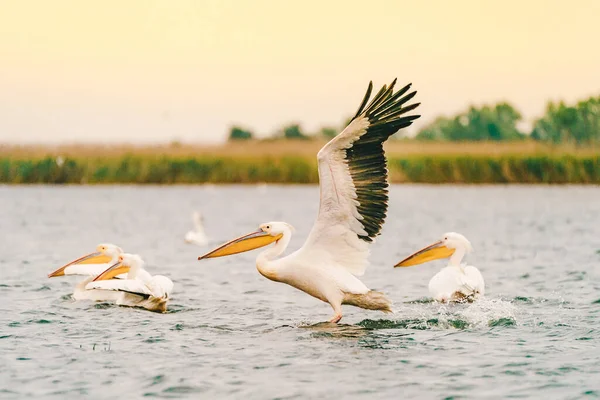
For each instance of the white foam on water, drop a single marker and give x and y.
(484, 312)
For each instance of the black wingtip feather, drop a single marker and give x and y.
(366, 158)
(365, 100)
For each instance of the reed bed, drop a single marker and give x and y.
(291, 147)
(294, 162)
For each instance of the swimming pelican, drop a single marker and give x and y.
(457, 282)
(353, 205)
(140, 289)
(91, 265)
(197, 236)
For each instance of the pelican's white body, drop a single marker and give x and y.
(140, 289)
(457, 282)
(81, 293)
(313, 272)
(197, 236)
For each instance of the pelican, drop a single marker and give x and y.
(457, 282)
(197, 236)
(91, 265)
(353, 205)
(140, 289)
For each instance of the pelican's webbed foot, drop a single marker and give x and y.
(336, 318)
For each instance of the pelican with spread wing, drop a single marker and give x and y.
(354, 197)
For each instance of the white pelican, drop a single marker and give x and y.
(197, 236)
(91, 265)
(457, 282)
(353, 205)
(140, 289)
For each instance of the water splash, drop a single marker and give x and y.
(421, 316)
(490, 312)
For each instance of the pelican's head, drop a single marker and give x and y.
(124, 263)
(130, 260)
(104, 253)
(443, 248)
(276, 228)
(109, 249)
(453, 240)
(267, 233)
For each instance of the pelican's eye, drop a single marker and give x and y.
(268, 227)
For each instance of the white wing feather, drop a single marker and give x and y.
(353, 182)
(158, 286)
(165, 285)
(334, 237)
(125, 285)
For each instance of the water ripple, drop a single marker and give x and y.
(230, 333)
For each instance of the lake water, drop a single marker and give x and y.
(232, 333)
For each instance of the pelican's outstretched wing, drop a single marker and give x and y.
(353, 180)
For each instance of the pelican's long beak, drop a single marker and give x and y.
(116, 269)
(247, 242)
(429, 253)
(92, 258)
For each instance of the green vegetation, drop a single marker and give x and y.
(579, 124)
(159, 170)
(293, 131)
(497, 123)
(562, 124)
(480, 145)
(237, 133)
(504, 169)
(149, 168)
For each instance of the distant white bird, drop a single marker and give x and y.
(91, 265)
(140, 289)
(197, 236)
(457, 282)
(353, 183)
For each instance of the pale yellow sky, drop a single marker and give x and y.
(158, 70)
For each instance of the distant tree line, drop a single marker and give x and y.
(497, 122)
(578, 124)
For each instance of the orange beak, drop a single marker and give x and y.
(244, 243)
(92, 258)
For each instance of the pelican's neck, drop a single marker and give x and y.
(81, 285)
(134, 270)
(264, 260)
(457, 257)
(198, 223)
